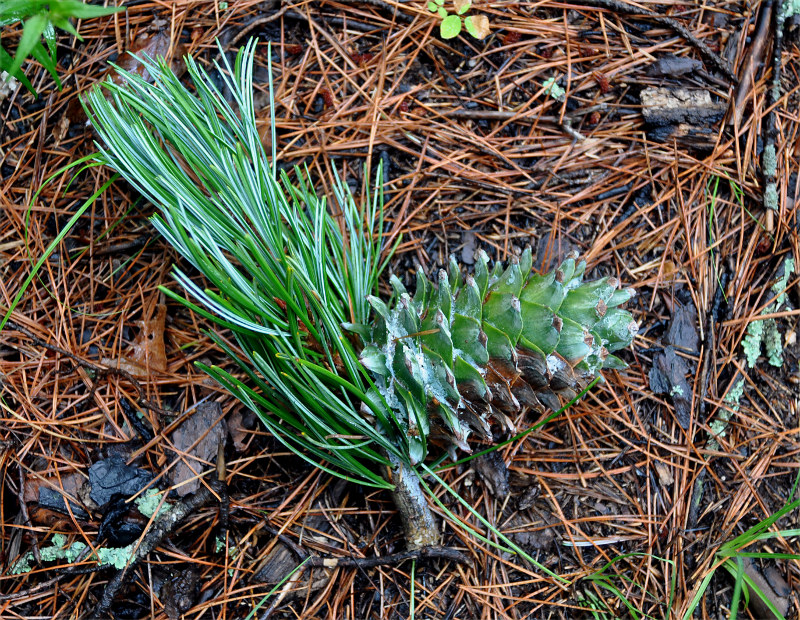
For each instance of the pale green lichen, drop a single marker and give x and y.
(148, 503)
(74, 551)
(771, 196)
(676, 390)
(769, 160)
(54, 551)
(773, 343)
(23, 565)
(783, 282)
(791, 8)
(752, 342)
(117, 557)
(766, 330)
(233, 552)
(553, 89)
(734, 395)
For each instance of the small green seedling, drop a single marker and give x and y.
(476, 25)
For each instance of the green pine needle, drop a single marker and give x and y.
(286, 275)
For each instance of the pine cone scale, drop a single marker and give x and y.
(465, 349)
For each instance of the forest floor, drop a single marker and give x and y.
(640, 497)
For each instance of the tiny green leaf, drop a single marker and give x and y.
(451, 27)
(442, 13)
(49, 35)
(433, 7)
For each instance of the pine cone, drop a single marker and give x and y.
(467, 349)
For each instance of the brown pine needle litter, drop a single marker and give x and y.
(478, 152)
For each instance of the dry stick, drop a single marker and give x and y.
(769, 159)
(747, 81)
(255, 24)
(118, 248)
(162, 528)
(705, 51)
(69, 572)
(426, 553)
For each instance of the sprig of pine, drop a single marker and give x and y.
(285, 275)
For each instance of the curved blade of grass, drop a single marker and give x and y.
(52, 246)
(512, 547)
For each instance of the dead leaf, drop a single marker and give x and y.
(683, 328)
(237, 430)
(673, 66)
(462, 5)
(534, 534)
(113, 476)
(154, 45)
(479, 26)
(196, 441)
(147, 354)
(777, 593)
(668, 376)
(53, 493)
(664, 474)
(493, 472)
(469, 248)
